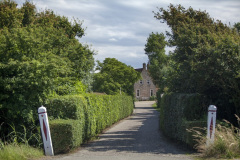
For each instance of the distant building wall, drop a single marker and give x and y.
(144, 88)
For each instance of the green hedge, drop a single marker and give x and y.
(89, 114)
(66, 107)
(188, 137)
(66, 134)
(179, 112)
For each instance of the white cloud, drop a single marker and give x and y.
(113, 40)
(128, 55)
(64, 5)
(134, 55)
(119, 28)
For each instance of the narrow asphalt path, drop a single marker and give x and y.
(134, 138)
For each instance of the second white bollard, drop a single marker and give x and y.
(46, 136)
(212, 112)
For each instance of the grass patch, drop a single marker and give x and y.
(226, 142)
(155, 107)
(19, 152)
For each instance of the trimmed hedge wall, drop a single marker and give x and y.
(179, 112)
(66, 107)
(77, 118)
(66, 134)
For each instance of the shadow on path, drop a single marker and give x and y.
(137, 134)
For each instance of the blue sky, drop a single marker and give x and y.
(119, 28)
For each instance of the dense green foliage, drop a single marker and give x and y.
(205, 60)
(79, 118)
(40, 57)
(158, 60)
(115, 77)
(206, 51)
(179, 112)
(65, 134)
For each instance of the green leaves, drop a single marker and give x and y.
(9, 14)
(206, 58)
(115, 77)
(158, 60)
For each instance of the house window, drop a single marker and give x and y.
(141, 81)
(138, 93)
(151, 93)
(148, 81)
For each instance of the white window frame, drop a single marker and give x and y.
(138, 93)
(141, 81)
(151, 93)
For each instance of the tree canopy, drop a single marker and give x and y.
(155, 49)
(115, 77)
(206, 57)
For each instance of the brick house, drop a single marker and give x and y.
(144, 88)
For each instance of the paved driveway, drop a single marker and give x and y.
(134, 138)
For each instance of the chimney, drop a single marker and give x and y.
(144, 66)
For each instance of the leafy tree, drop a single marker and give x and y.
(29, 12)
(40, 56)
(206, 59)
(196, 36)
(237, 27)
(115, 77)
(158, 60)
(9, 14)
(49, 18)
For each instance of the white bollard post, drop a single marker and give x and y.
(212, 111)
(46, 136)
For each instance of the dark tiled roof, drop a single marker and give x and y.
(139, 69)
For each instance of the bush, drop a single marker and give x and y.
(152, 98)
(66, 107)
(66, 134)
